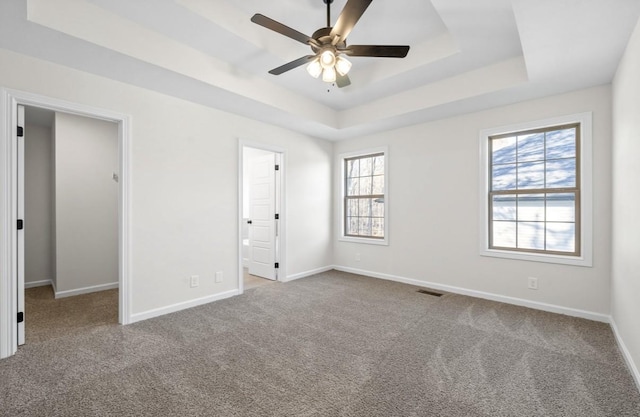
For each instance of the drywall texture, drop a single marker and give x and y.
(625, 286)
(185, 190)
(86, 199)
(38, 203)
(433, 208)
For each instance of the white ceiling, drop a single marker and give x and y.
(465, 55)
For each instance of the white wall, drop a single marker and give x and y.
(86, 156)
(433, 208)
(38, 203)
(625, 285)
(185, 190)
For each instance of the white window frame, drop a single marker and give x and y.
(586, 192)
(340, 161)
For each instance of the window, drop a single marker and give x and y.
(533, 195)
(364, 197)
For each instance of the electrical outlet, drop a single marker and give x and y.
(357, 257)
(533, 283)
(219, 276)
(195, 281)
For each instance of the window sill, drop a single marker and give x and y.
(534, 257)
(364, 240)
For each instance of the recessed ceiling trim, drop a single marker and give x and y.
(85, 21)
(501, 76)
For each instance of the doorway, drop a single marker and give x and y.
(12, 314)
(70, 195)
(261, 230)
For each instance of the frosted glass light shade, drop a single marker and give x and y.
(329, 75)
(342, 65)
(314, 68)
(327, 59)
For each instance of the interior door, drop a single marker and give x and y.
(262, 233)
(21, 224)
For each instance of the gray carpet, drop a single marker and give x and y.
(48, 318)
(330, 345)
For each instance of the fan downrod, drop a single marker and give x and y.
(328, 3)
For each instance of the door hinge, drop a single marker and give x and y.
(20, 131)
(277, 167)
(20, 224)
(277, 265)
(277, 216)
(20, 317)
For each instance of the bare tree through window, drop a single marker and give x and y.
(364, 196)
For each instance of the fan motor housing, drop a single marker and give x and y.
(323, 36)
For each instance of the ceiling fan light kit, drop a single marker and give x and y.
(329, 75)
(329, 44)
(343, 65)
(315, 68)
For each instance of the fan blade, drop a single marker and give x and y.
(282, 29)
(291, 65)
(343, 81)
(380, 51)
(348, 18)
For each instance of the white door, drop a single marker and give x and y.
(21, 224)
(262, 209)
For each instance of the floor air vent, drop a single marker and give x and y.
(428, 292)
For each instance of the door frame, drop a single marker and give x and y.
(281, 208)
(9, 101)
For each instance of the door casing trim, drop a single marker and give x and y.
(9, 100)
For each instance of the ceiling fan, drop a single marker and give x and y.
(329, 44)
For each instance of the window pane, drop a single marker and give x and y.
(364, 228)
(365, 186)
(353, 186)
(504, 234)
(531, 175)
(531, 147)
(378, 227)
(531, 207)
(525, 170)
(503, 150)
(365, 207)
(364, 214)
(561, 207)
(504, 207)
(561, 144)
(561, 237)
(531, 235)
(378, 185)
(353, 168)
(377, 209)
(352, 226)
(378, 165)
(365, 166)
(352, 207)
(561, 173)
(504, 177)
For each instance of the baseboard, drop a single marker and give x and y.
(181, 306)
(484, 295)
(307, 273)
(34, 284)
(85, 290)
(626, 354)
